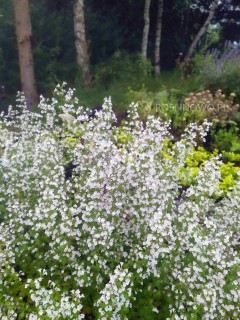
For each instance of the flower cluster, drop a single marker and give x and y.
(93, 226)
(223, 62)
(213, 106)
(220, 69)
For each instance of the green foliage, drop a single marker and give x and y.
(225, 136)
(162, 103)
(181, 109)
(124, 67)
(210, 38)
(122, 136)
(54, 51)
(188, 174)
(231, 156)
(185, 68)
(229, 174)
(114, 31)
(9, 69)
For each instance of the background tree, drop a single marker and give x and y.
(54, 51)
(158, 37)
(24, 42)
(146, 29)
(203, 29)
(110, 31)
(81, 41)
(9, 65)
(228, 17)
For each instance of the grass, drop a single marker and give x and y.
(118, 88)
(119, 85)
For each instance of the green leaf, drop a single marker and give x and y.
(21, 315)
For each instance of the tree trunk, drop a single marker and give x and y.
(157, 67)
(202, 30)
(146, 29)
(24, 41)
(81, 41)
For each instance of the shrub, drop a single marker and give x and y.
(220, 69)
(122, 67)
(174, 105)
(93, 226)
(225, 136)
(212, 106)
(186, 68)
(231, 156)
(164, 104)
(229, 171)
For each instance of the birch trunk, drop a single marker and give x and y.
(157, 67)
(81, 41)
(146, 29)
(202, 30)
(24, 40)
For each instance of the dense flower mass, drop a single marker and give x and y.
(90, 226)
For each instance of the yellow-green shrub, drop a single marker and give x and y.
(196, 159)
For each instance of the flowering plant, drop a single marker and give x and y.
(220, 69)
(90, 226)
